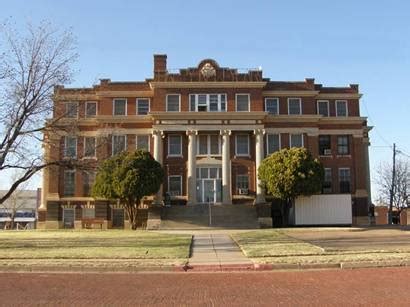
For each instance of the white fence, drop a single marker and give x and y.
(334, 209)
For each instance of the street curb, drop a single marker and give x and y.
(240, 267)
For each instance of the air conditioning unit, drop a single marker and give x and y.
(243, 191)
(327, 152)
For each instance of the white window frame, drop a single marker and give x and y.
(300, 105)
(136, 106)
(95, 146)
(347, 108)
(113, 106)
(180, 145)
(89, 172)
(64, 182)
(208, 102)
(208, 145)
(277, 105)
(317, 107)
(242, 175)
(179, 101)
(350, 178)
(112, 143)
(290, 140)
(65, 109)
(180, 187)
(149, 141)
(65, 146)
(236, 101)
(96, 109)
(267, 142)
(63, 215)
(236, 146)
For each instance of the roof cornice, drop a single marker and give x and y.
(208, 84)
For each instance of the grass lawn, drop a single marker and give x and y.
(274, 246)
(93, 244)
(273, 243)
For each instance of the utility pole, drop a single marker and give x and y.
(393, 179)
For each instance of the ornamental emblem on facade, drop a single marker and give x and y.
(208, 70)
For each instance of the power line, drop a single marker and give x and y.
(375, 126)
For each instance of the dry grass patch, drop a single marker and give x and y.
(273, 243)
(91, 244)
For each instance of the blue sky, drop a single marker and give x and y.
(336, 42)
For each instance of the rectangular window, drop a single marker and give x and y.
(90, 109)
(120, 107)
(89, 147)
(323, 107)
(294, 106)
(327, 182)
(142, 106)
(272, 105)
(69, 183)
(242, 102)
(343, 145)
(209, 144)
(175, 185)
(71, 109)
(173, 102)
(88, 181)
(242, 145)
(70, 147)
(174, 145)
(142, 142)
(324, 145)
(341, 108)
(207, 102)
(119, 144)
(273, 143)
(296, 140)
(344, 180)
(88, 212)
(242, 184)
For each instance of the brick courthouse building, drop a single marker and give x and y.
(210, 127)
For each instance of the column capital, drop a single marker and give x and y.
(158, 133)
(259, 131)
(191, 132)
(225, 132)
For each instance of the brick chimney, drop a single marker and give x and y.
(160, 63)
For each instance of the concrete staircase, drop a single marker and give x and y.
(197, 217)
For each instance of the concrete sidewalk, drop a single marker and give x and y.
(213, 251)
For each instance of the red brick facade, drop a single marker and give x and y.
(209, 78)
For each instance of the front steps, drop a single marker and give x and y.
(197, 217)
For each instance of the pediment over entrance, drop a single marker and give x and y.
(208, 161)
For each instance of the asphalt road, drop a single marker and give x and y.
(387, 286)
(366, 239)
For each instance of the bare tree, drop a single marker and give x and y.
(31, 65)
(401, 185)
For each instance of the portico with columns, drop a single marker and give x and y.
(209, 175)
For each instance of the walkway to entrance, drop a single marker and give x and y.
(216, 250)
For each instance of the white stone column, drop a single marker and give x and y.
(191, 169)
(44, 189)
(226, 167)
(260, 193)
(158, 157)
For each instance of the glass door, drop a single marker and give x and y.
(209, 190)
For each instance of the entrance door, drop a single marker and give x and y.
(209, 185)
(209, 190)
